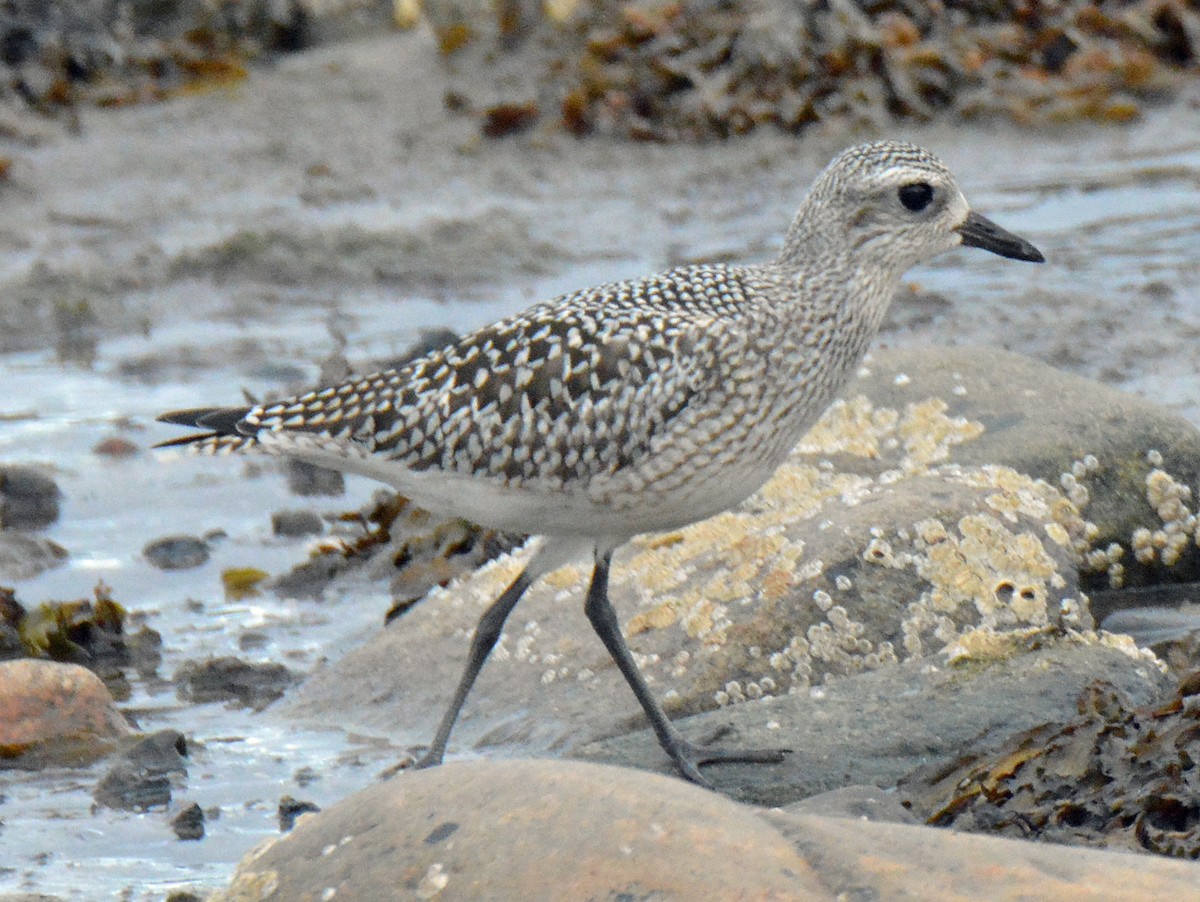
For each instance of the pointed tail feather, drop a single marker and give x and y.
(218, 419)
(221, 423)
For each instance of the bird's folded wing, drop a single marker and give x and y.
(553, 400)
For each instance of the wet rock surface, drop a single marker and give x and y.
(531, 829)
(295, 524)
(23, 556)
(177, 552)
(141, 776)
(54, 713)
(189, 823)
(290, 810)
(899, 719)
(233, 680)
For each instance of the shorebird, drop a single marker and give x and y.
(635, 406)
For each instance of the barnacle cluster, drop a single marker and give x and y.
(1163, 545)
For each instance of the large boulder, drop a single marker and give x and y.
(925, 519)
(532, 829)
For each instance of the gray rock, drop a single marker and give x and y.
(141, 776)
(306, 480)
(177, 552)
(188, 824)
(297, 523)
(29, 499)
(232, 679)
(11, 646)
(24, 556)
(877, 727)
(1044, 422)
(290, 809)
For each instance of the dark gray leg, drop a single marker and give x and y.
(686, 757)
(487, 632)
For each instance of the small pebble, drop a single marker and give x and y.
(307, 480)
(29, 499)
(296, 523)
(189, 823)
(177, 552)
(290, 809)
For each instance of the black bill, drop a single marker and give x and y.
(979, 231)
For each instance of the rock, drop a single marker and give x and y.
(822, 574)
(867, 803)
(886, 539)
(116, 446)
(865, 860)
(11, 646)
(141, 777)
(290, 809)
(307, 480)
(529, 829)
(189, 823)
(180, 552)
(232, 679)
(297, 523)
(878, 727)
(29, 499)
(1047, 423)
(55, 714)
(24, 557)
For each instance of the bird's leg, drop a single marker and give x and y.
(487, 632)
(686, 756)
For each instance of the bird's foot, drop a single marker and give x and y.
(689, 758)
(431, 758)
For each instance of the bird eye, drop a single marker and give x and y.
(916, 196)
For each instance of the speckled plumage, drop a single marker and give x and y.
(640, 405)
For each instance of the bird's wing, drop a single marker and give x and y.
(557, 395)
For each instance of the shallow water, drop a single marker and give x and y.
(1116, 213)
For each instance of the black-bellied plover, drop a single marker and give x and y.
(635, 406)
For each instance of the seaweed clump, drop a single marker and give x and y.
(709, 69)
(1117, 777)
